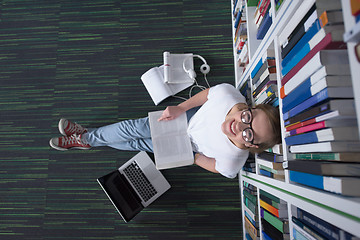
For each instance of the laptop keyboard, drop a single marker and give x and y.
(140, 181)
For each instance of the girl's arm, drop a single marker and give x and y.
(173, 112)
(205, 162)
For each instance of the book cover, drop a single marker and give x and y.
(348, 186)
(334, 107)
(323, 95)
(306, 93)
(272, 157)
(251, 229)
(333, 156)
(281, 225)
(264, 27)
(280, 213)
(324, 63)
(273, 232)
(336, 37)
(335, 146)
(323, 135)
(299, 31)
(322, 124)
(327, 230)
(306, 228)
(326, 42)
(324, 168)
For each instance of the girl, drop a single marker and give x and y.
(222, 129)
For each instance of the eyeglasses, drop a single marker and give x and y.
(248, 133)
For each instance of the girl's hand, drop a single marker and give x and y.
(171, 113)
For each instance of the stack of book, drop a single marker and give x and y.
(308, 226)
(250, 165)
(317, 96)
(240, 36)
(263, 18)
(355, 9)
(245, 90)
(251, 220)
(271, 165)
(264, 80)
(274, 217)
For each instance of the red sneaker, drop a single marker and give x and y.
(68, 142)
(68, 128)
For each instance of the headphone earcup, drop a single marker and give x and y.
(205, 69)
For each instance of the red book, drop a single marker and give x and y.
(325, 43)
(308, 128)
(300, 124)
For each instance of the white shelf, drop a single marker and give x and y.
(341, 211)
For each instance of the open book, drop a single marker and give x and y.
(168, 79)
(172, 146)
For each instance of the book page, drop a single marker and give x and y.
(172, 145)
(169, 128)
(154, 83)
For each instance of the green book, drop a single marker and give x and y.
(282, 226)
(252, 3)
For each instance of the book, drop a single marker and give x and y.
(281, 225)
(273, 232)
(154, 82)
(280, 213)
(265, 77)
(324, 168)
(299, 31)
(270, 61)
(323, 135)
(325, 43)
(264, 27)
(336, 33)
(306, 229)
(324, 63)
(330, 21)
(334, 107)
(303, 92)
(264, 85)
(348, 186)
(172, 145)
(270, 164)
(251, 205)
(278, 205)
(321, 125)
(251, 216)
(321, 6)
(325, 229)
(251, 229)
(327, 93)
(272, 197)
(272, 157)
(335, 146)
(270, 90)
(300, 234)
(333, 156)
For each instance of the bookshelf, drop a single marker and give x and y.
(338, 210)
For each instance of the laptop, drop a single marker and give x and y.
(134, 186)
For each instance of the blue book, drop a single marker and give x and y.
(324, 228)
(304, 138)
(317, 98)
(264, 27)
(238, 18)
(315, 27)
(265, 236)
(257, 68)
(265, 173)
(307, 179)
(300, 94)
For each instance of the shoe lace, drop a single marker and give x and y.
(72, 140)
(75, 127)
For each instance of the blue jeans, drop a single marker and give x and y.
(129, 135)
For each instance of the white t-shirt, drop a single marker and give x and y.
(206, 135)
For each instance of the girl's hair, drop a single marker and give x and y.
(274, 118)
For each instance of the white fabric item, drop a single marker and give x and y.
(206, 135)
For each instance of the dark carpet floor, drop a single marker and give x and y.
(83, 60)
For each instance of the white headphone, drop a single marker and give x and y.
(205, 68)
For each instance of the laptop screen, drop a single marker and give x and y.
(122, 195)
